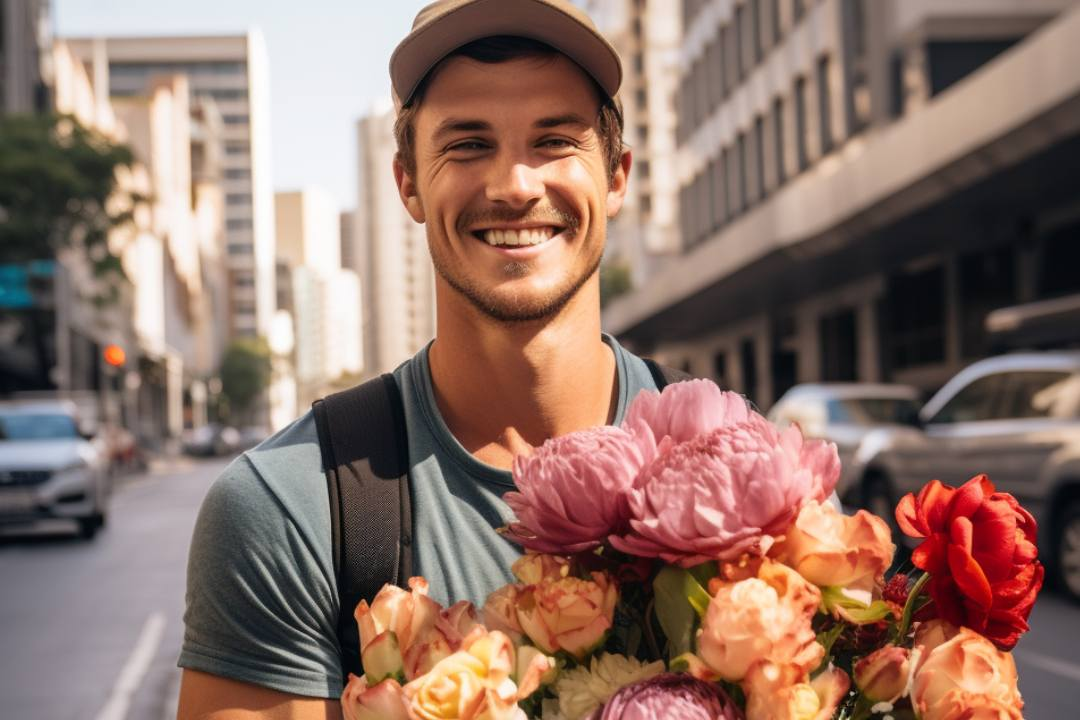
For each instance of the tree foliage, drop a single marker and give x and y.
(615, 280)
(59, 190)
(245, 372)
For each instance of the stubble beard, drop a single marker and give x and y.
(514, 310)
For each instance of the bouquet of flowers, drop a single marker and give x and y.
(689, 564)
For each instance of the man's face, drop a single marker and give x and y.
(512, 183)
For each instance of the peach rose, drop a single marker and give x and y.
(775, 693)
(762, 619)
(964, 677)
(883, 675)
(829, 548)
(384, 701)
(405, 632)
(474, 683)
(500, 612)
(568, 613)
(531, 568)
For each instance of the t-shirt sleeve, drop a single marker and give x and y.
(260, 605)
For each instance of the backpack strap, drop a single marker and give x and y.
(664, 376)
(362, 438)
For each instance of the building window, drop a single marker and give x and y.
(748, 358)
(684, 216)
(987, 282)
(915, 319)
(237, 199)
(755, 27)
(646, 204)
(237, 147)
(778, 140)
(643, 134)
(236, 119)
(743, 165)
(740, 41)
(639, 63)
(240, 249)
(730, 60)
(798, 9)
(642, 99)
(238, 224)
(825, 105)
(244, 280)
(777, 26)
(244, 308)
(720, 370)
(643, 169)
(800, 124)
(759, 157)
(731, 175)
(719, 194)
(839, 347)
(237, 174)
(951, 61)
(714, 64)
(224, 93)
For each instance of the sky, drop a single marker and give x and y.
(328, 67)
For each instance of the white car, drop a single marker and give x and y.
(49, 468)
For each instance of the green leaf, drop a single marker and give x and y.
(680, 602)
(705, 572)
(833, 599)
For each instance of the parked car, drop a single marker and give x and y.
(1014, 417)
(845, 413)
(50, 468)
(211, 440)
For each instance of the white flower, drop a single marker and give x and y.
(582, 690)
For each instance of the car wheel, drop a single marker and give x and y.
(1067, 551)
(89, 525)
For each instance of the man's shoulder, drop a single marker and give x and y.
(283, 472)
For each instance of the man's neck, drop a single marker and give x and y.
(504, 388)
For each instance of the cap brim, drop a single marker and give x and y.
(422, 50)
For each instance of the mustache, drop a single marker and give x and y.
(536, 215)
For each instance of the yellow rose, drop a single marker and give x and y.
(568, 613)
(474, 683)
(762, 619)
(829, 548)
(964, 677)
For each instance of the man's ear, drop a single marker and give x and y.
(617, 184)
(407, 191)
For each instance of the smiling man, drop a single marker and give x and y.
(510, 154)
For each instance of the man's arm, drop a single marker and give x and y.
(209, 697)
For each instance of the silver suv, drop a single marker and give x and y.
(1014, 417)
(50, 468)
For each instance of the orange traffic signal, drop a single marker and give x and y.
(115, 355)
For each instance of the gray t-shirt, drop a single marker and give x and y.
(262, 602)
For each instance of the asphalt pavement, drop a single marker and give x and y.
(93, 629)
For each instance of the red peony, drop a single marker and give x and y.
(980, 553)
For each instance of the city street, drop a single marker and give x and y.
(92, 630)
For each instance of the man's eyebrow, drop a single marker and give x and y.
(456, 125)
(558, 120)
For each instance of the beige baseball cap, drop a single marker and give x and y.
(445, 25)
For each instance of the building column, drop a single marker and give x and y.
(809, 350)
(868, 348)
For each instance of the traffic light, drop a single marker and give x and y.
(114, 355)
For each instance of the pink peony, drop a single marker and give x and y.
(670, 696)
(726, 493)
(685, 410)
(572, 490)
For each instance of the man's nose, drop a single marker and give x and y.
(515, 183)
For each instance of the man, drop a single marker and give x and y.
(510, 153)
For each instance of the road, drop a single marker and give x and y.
(93, 630)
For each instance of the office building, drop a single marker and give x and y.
(233, 72)
(862, 183)
(25, 56)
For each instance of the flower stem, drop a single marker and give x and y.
(909, 606)
(650, 636)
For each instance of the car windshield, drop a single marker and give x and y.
(873, 411)
(37, 426)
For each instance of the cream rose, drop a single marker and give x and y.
(568, 613)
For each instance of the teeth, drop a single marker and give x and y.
(518, 237)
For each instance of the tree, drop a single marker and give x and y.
(245, 373)
(59, 191)
(614, 281)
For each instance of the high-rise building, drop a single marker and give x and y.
(233, 71)
(861, 183)
(324, 298)
(646, 34)
(397, 279)
(25, 56)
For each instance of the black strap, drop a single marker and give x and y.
(664, 376)
(362, 437)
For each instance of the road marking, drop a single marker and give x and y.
(1050, 664)
(134, 670)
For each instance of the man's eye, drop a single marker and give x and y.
(468, 146)
(556, 143)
